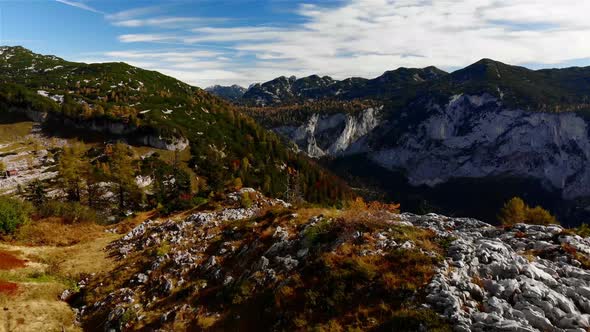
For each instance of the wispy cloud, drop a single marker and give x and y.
(133, 13)
(168, 55)
(195, 67)
(143, 38)
(167, 22)
(367, 37)
(80, 5)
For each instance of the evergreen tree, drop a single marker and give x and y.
(36, 192)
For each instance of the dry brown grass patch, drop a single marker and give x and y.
(53, 232)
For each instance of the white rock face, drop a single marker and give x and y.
(516, 280)
(115, 128)
(471, 136)
(171, 144)
(474, 136)
(332, 134)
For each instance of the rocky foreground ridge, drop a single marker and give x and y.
(270, 267)
(528, 278)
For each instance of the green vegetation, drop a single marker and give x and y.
(583, 230)
(224, 144)
(13, 213)
(517, 211)
(69, 212)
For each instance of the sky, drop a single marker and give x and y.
(207, 42)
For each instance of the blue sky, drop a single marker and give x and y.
(205, 42)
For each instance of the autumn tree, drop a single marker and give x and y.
(517, 211)
(72, 168)
(512, 212)
(539, 216)
(122, 174)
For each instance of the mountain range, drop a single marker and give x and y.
(417, 136)
(428, 134)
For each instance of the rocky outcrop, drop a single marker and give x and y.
(332, 134)
(485, 278)
(476, 136)
(471, 136)
(159, 142)
(111, 128)
(528, 278)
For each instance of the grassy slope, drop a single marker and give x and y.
(49, 271)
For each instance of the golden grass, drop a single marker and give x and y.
(14, 131)
(49, 271)
(53, 232)
(36, 308)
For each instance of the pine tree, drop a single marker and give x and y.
(36, 192)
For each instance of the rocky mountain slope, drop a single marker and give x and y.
(367, 268)
(283, 90)
(332, 134)
(232, 93)
(489, 120)
(527, 278)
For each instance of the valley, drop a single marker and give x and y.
(487, 123)
(134, 202)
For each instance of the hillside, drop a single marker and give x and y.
(148, 108)
(547, 90)
(362, 268)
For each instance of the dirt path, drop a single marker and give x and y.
(34, 277)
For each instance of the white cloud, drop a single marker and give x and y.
(163, 55)
(143, 38)
(133, 13)
(367, 37)
(166, 22)
(79, 5)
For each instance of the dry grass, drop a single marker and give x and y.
(48, 272)
(53, 232)
(8, 261)
(206, 322)
(14, 131)
(126, 225)
(36, 308)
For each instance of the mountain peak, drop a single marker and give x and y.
(485, 69)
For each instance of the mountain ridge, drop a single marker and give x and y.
(456, 127)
